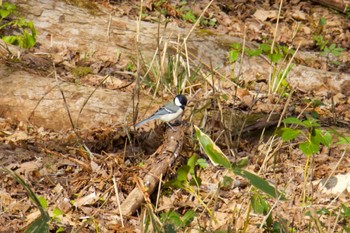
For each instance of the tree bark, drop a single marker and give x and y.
(339, 5)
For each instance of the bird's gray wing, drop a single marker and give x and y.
(168, 108)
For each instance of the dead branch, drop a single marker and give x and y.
(170, 149)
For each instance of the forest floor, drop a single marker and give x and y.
(74, 175)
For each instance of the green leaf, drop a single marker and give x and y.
(226, 182)
(266, 48)
(236, 46)
(259, 183)
(189, 16)
(289, 134)
(343, 140)
(233, 55)
(322, 21)
(191, 163)
(346, 229)
(14, 40)
(216, 156)
(346, 211)
(243, 162)
(259, 204)
(275, 57)
(43, 202)
(174, 218)
(39, 225)
(332, 46)
(202, 163)
(309, 148)
(320, 137)
(293, 120)
(253, 52)
(57, 212)
(182, 173)
(60, 229)
(311, 122)
(188, 217)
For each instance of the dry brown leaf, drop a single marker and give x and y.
(263, 15)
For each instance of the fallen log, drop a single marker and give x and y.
(39, 100)
(159, 165)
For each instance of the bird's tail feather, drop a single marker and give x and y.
(145, 121)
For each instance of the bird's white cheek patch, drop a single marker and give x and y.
(177, 102)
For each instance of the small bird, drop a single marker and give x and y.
(168, 112)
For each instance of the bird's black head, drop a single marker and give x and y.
(180, 100)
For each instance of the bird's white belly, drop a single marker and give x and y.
(170, 117)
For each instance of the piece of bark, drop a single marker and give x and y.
(29, 97)
(172, 146)
(339, 5)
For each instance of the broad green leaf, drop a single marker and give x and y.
(293, 120)
(233, 55)
(216, 156)
(202, 163)
(174, 218)
(57, 212)
(226, 182)
(236, 46)
(260, 183)
(319, 137)
(346, 211)
(191, 163)
(182, 173)
(60, 229)
(43, 202)
(39, 225)
(11, 40)
(343, 140)
(322, 21)
(259, 204)
(309, 148)
(289, 134)
(311, 122)
(346, 229)
(266, 48)
(253, 52)
(243, 162)
(188, 217)
(276, 57)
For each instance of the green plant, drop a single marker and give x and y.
(174, 222)
(188, 16)
(217, 157)
(187, 179)
(41, 223)
(275, 56)
(345, 218)
(26, 36)
(332, 49)
(277, 82)
(81, 71)
(310, 131)
(310, 137)
(323, 44)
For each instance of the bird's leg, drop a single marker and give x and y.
(170, 126)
